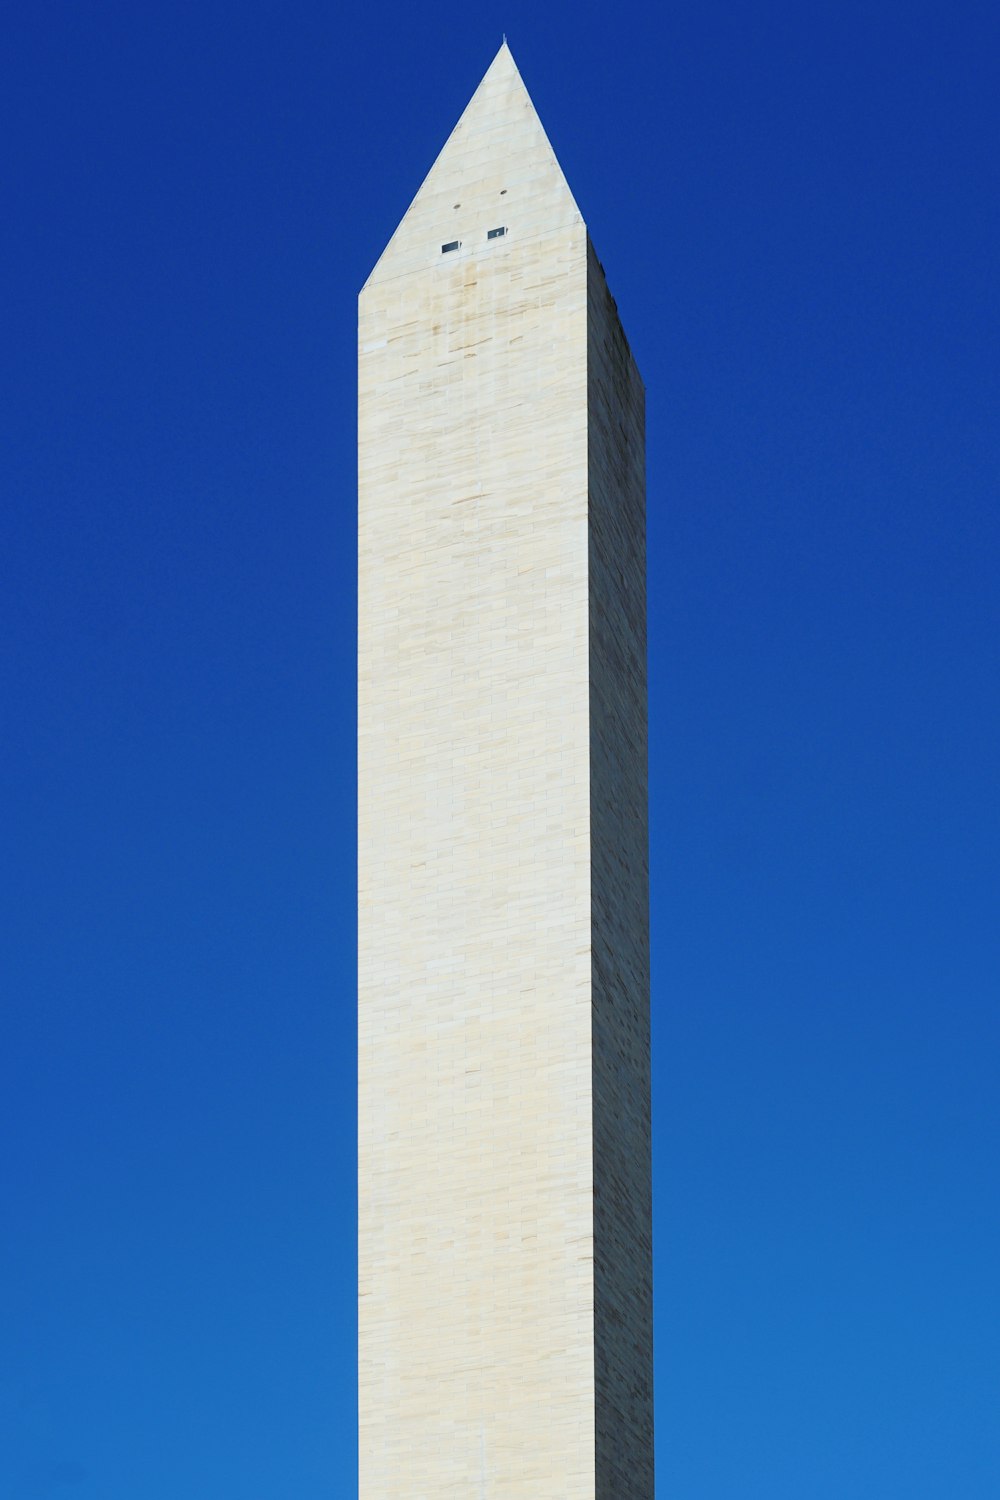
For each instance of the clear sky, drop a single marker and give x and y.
(797, 208)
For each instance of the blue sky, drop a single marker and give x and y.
(797, 210)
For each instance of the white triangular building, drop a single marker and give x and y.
(505, 1280)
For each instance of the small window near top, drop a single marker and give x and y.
(451, 245)
(496, 234)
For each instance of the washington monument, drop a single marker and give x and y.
(505, 1279)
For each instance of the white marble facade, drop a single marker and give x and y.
(503, 1055)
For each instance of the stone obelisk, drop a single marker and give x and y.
(505, 1298)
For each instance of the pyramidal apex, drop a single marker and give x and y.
(496, 167)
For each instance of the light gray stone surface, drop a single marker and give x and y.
(504, 1283)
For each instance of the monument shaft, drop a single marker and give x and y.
(505, 1322)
